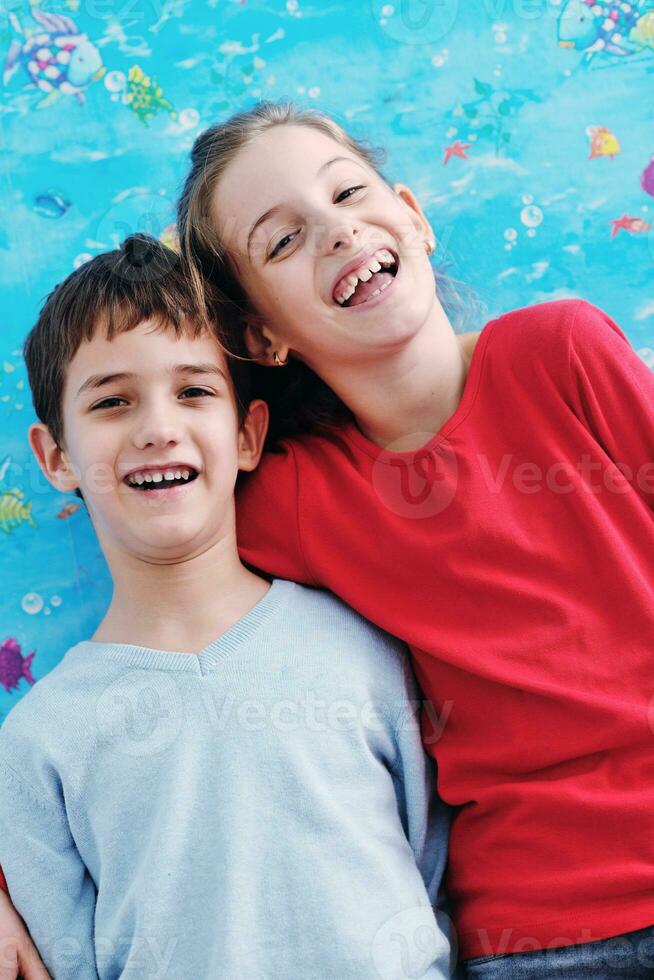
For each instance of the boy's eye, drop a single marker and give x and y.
(110, 402)
(349, 192)
(106, 403)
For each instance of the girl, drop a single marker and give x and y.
(487, 501)
(493, 511)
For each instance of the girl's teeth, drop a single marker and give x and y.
(169, 475)
(353, 280)
(375, 267)
(148, 478)
(366, 275)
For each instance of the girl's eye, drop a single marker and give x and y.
(280, 245)
(348, 192)
(202, 391)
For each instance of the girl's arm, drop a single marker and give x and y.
(613, 394)
(18, 955)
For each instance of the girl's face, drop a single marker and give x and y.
(306, 223)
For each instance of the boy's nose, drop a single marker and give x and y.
(157, 430)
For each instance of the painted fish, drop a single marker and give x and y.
(58, 59)
(647, 178)
(13, 511)
(67, 511)
(609, 26)
(51, 204)
(169, 237)
(603, 143)
(144, 96)
(635, 226)
(13, 665)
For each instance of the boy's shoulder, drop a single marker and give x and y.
(54, 707)
(322, 615)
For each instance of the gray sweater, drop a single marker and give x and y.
(262, 810)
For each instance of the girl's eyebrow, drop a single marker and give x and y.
(100, 380)
(271, 212)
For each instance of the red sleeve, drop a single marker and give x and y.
(614, 391)
(3, 882)
(267, 518)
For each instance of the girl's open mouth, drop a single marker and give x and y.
(369, 281)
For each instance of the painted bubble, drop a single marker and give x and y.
(188, 118)
(531, 216)
(55, 600)
(527, 199)
(510, 234)
(115, 81)
(32, 603)
(81, 259)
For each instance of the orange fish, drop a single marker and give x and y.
(67, 511)
(635, 226)
(603, 143)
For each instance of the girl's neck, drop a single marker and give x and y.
(404, 398)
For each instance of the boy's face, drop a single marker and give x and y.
(159, 405)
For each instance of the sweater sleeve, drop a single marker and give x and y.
(425, 817)
(267, 518)
(613, 390)
(50, 885)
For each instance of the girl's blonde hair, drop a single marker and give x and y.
(299, 400)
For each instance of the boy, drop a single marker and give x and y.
(258, 805)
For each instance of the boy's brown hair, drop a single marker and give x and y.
(141, 280)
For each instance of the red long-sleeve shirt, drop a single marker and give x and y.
(514, 553)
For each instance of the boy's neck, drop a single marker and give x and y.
(180, 607)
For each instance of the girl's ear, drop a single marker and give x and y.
(261, 342)
(417, 215)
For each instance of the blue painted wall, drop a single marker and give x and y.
(524, 128)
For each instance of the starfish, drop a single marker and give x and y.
(457, 149)
(630, 224)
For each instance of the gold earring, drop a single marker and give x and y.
(429, 246)
(278, 361)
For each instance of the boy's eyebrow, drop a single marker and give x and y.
(272, 211)
(96, 381)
